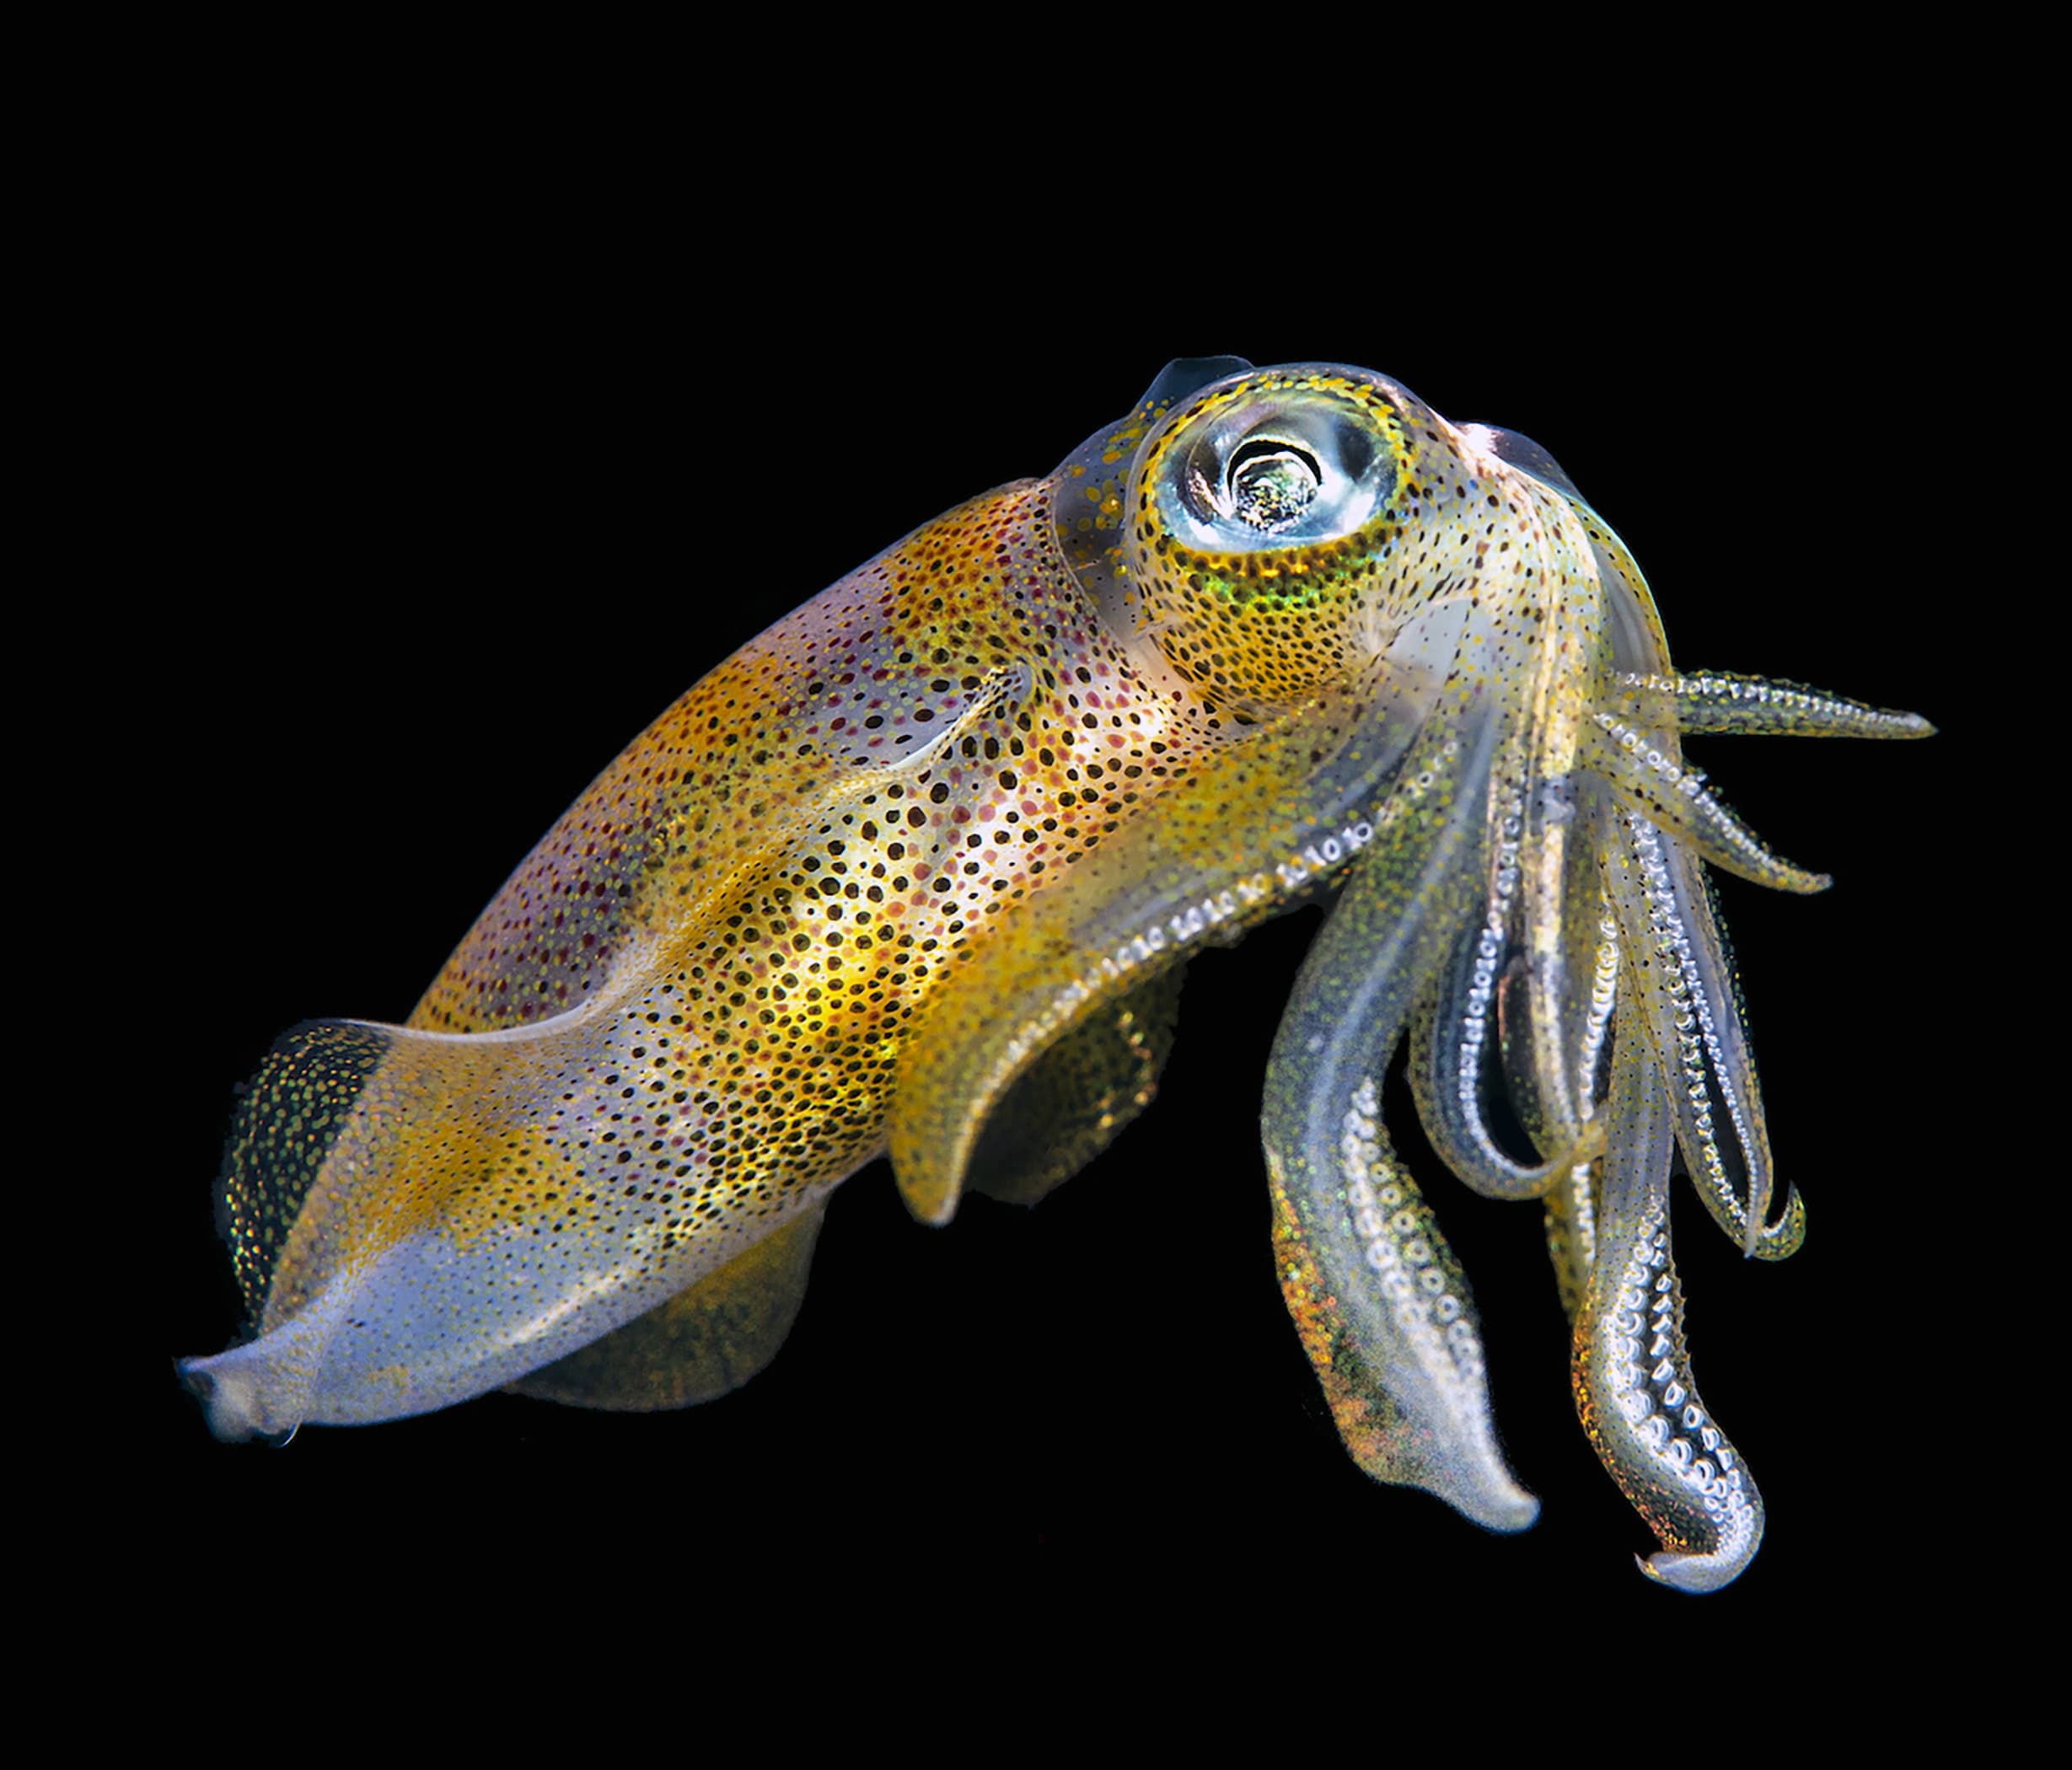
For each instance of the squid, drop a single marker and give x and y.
(917, 873)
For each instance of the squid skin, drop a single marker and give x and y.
(917, 873)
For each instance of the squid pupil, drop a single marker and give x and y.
(1271, 484)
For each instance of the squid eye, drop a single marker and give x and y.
(1284, 469)
(1270, 484)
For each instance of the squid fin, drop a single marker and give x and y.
(701, 1344)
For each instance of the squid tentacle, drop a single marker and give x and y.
(1488, 1006)
(1676, 798)
(1258, 822)
(1713, 702)
(1571, 1213)
(1383, 1311)
(1679, 977)
(1631, 1371)
(1690, 1009)
(1509, 994)
(1570, 1222)
(1386, 1317)
(1451, 1039)
(1590, 926)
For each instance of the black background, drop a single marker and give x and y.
(464, 474)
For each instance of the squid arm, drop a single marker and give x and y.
(1269, 817)
(1632, 1375)
(1377, 1297)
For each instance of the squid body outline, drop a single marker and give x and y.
(917, 873)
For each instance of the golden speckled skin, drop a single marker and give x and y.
(916, 870)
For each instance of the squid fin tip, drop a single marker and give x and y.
(230, 1400)
(221, 1418)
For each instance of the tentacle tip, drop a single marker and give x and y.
(931, 1164)
(1519, 1511)
(932, 1196)
(1685, 1573)
(1496, 1503)
(1780, 1240)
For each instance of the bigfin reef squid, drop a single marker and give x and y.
(917, 873)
